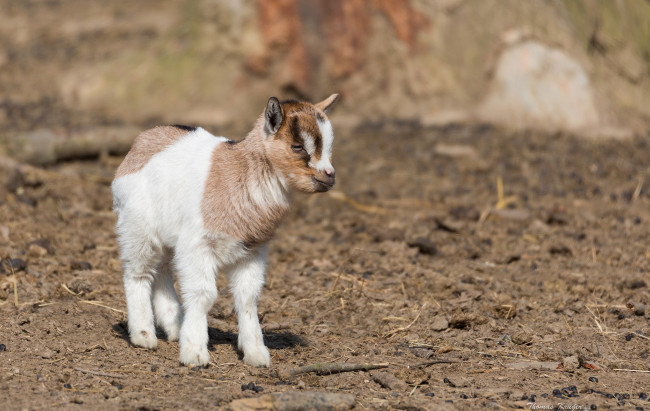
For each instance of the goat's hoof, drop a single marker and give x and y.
(192, 356)
(146, 339)
(258, 357)
(173, 333)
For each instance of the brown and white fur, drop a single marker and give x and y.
(201, 204)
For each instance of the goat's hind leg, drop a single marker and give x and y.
(167, 308)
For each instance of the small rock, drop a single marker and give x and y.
(44, 243)
(80, 285)
(47, 354)
(521, 337)
(571, 363)
(424, 245)
(36, 251)
(3, 347)
(466, 320)
(637, 308)
(389, 381)
(439, 323)
(15, 264)
(593, 379)
(634, 283)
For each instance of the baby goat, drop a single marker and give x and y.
(200, 204)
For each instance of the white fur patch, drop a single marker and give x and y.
(327, 135)
(308, 140)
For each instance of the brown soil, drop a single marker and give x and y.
(410, 267)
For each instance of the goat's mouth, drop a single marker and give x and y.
(323, 185)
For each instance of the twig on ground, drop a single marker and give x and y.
(339, 195)
(596, 321)
(625, 369)
(395, 331)
(102, 305)
(100, 373)
(637, 190)
(65, 287)
(328, 368)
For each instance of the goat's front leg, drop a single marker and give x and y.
(196, 267)
(246, 281)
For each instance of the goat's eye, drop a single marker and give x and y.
(297, 148)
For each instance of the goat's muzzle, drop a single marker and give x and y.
(324, 180)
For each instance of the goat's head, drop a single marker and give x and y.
(299, 139)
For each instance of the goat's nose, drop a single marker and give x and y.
(329, 172)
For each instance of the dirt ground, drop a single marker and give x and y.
(486, 268)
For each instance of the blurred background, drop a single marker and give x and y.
(582, 66)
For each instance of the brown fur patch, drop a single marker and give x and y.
(147, 144)
(235, 201)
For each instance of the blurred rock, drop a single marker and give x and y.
(36, 251)
(388, 380)
(538, 86)
(571, 363)
(425, 246)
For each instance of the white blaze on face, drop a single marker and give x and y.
(327, 134)
(308, 141)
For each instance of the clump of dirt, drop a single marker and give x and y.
(515, 274)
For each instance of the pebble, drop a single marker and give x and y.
(643, 396)
(424, 245)
(252, 387)
(36, 251)
(439, 323)
(67, 386)
(16, 263)
(593, 379)
(3, 347)
(571, 363)
(429, 394)
(629, 337)
(593, 407)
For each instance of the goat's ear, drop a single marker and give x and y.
(327, 104)
(273, 116)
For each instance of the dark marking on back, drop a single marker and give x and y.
(189, 129)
